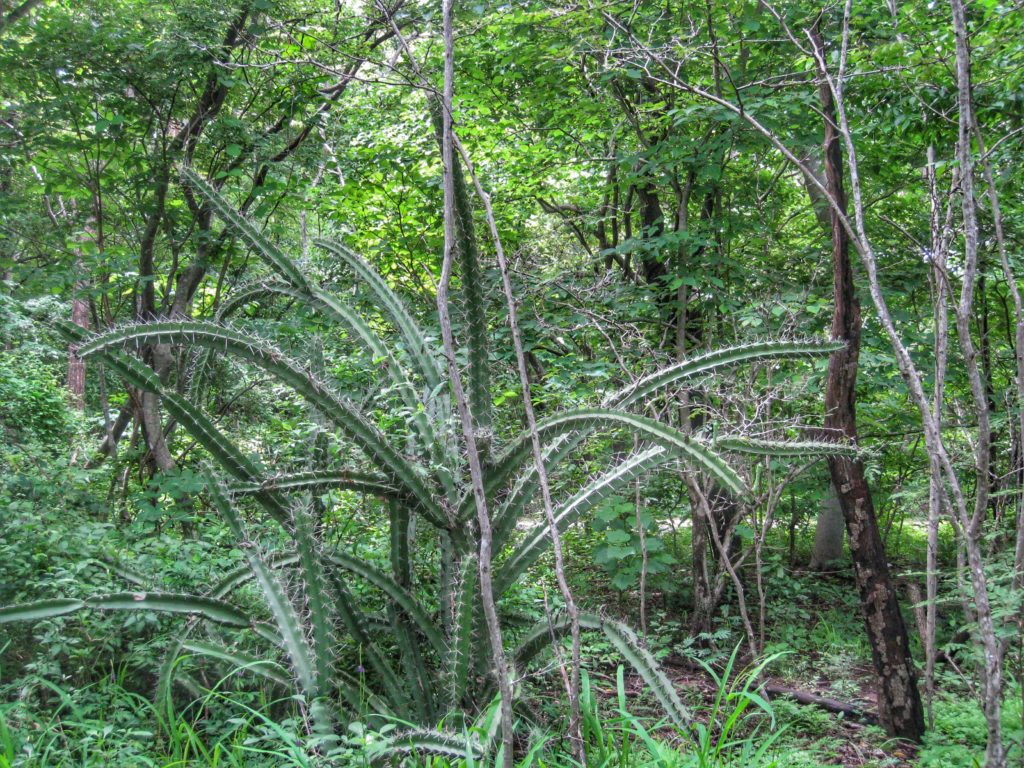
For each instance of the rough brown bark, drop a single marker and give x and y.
(899, 702)
(703, 605)
(849, 710)
(653, 219)
(80, 304)
(573, 676)
(954, 489)
(158, 356)
(76, 365)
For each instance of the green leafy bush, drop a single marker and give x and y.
(621, 550)
(959, 735)
(33, 403)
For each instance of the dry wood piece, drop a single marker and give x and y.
(848, 709)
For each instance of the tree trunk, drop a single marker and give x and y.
(828, 534)
(703, 606)
(652, 267)
(899, 702)
(80, 304)
(76, 365)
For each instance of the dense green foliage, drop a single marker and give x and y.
(250, 536)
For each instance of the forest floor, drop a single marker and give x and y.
(815, 630)
(852, 741)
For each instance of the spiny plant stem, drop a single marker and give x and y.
(573, 687)
(462, 405)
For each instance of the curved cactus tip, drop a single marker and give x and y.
(39, 610)
(786, 448)
(717, 359)
(629, 647)
(419, 742)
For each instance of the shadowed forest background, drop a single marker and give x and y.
(521, 384)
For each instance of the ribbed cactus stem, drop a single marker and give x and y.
(473, 307)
